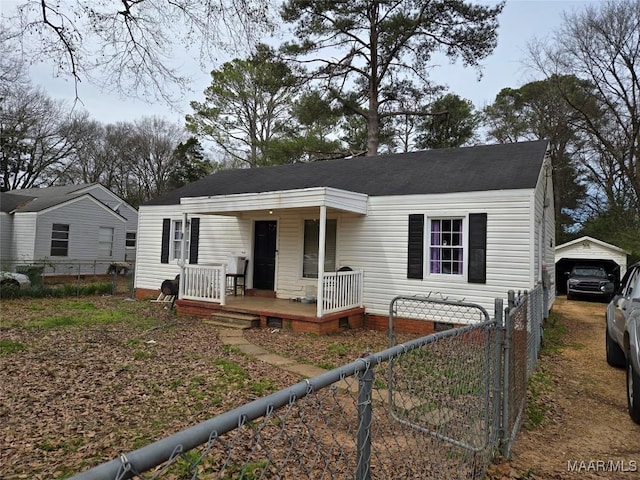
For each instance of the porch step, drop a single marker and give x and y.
(233, 320)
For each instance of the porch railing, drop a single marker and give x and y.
(341, 291)
(203, 282)
(207, 283)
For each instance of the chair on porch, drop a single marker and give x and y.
(238, 280)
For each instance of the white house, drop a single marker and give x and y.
(467, 223)
(84, 226)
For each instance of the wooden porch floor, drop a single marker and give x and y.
(264, 305)
(297, 316)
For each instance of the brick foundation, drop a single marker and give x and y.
(146, 293)
(331, 323)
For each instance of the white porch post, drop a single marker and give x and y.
(183, 255)
(321, 251)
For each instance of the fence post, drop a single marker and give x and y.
(508, 330)
(365, 388)
(497, 378)
(511, 299)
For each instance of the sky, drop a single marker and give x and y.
(520, 22)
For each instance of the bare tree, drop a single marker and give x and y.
(128, 45)
(35, 140)
(151, 159)
(601, 45)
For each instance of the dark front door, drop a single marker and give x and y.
(264, 254)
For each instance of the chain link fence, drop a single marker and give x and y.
(77, 273)
(522, 342)
(437, 407)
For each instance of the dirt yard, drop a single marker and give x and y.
(587, 432)
(83, 379)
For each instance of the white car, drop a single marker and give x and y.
(18, 280)
(623, 335)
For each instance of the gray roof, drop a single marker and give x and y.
(38, 199)
(468, 169)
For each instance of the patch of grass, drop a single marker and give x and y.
(338, 349)
(7, 347)
(47, 446)
(82, 305)
(250, 471)
(231, 372)
(123, 368)
(175, 383)
(553, 335)
(142, 440)
(86, 318)
(142, 355)
(327, 365)
(232, 350)
(67, 290)
(262, 387)
(539, 383)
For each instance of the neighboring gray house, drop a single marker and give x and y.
(467, 223)
(65, 227)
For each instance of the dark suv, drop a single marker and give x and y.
(589, 280)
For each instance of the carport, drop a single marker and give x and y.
(589, 251)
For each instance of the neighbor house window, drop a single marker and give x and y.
(446, 246)
(311, 244)
(105, 242)
(60, 240)
(176, 239)
(131, 240)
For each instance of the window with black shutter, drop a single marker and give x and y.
(415, 255)
(194, 240)
(477, 272)
(166, 231)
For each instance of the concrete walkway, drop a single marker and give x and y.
(233, 337)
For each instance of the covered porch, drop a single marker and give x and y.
(334, 290)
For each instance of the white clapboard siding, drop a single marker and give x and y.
(84, 216)
(219, 237)
(6, 244)
(377, 244)
(113, 201)
(24, 236)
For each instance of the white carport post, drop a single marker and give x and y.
(321, 252)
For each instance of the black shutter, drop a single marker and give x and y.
(193, 240)
(477, 248)
(415, 252)
(166, 232)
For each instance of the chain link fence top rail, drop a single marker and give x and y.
(424, 409)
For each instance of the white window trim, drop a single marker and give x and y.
(462, 277)
(68, 239)
(126, 239)
(173, 240)
(111, 243)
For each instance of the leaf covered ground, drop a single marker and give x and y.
(84, 379)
